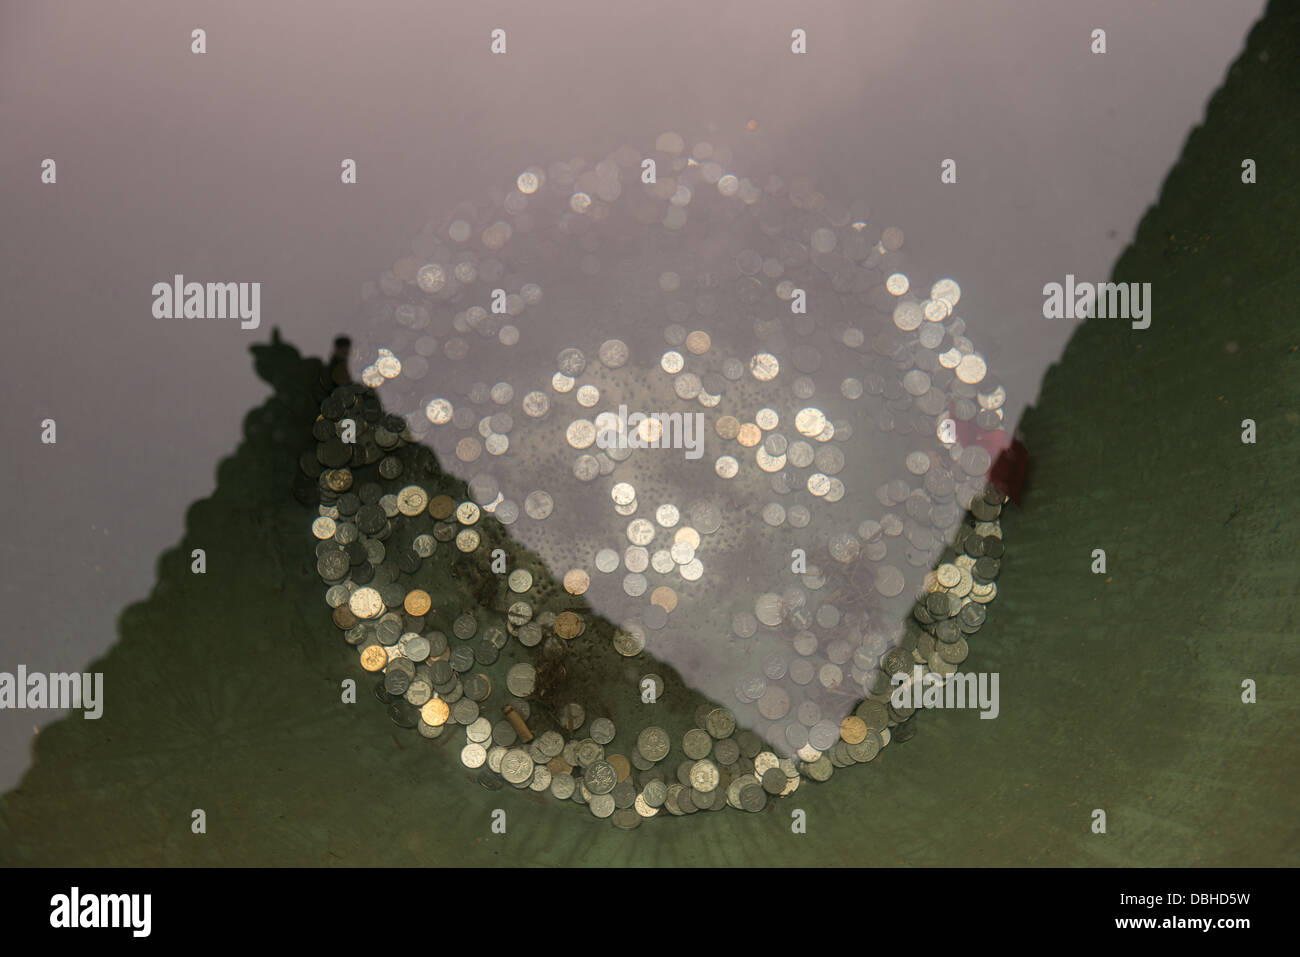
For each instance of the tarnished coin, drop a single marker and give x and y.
(602, 730)
(853, 730)
(622, 767)
(520, 679)
(538, 505)
(696, 744)
(568, 625)
(572, 716)
(720, 723)
(629, 640)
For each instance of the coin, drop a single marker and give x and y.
(568, 625)
(696, 744)
(622, 767)
(417, 602)
(576, 581)
(599, 777)
(654, 743)
(520, 679)
(374, 657)
(704, 776)
(517, 766)
(853, 730)
(572, 716)
(435, 713)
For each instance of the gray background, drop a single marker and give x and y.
(225, 167)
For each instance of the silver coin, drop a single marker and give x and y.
(538, 505)
(600, 777)
(517, 766)
(520, 679)
(654, 743)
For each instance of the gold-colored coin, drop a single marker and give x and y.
(559, 766)
(688, 535)
(853, 730)
(698, 342)
(468, 540)
(435, 712)
(576, 581)
(374, 657)
(750, 435)
(568, 625)
(948, 575)
(440, 506)
(622, 767)
(467, 513)
(417, 602)
(727, 427)
(338, 480)
(664, 597)
(469, 449)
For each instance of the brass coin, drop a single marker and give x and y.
(441, 506)
(568, 625)
(338, 480)
(576, 581)
(853, 730)
(750, 435)
(558, 766)
(698, 342)
(417, 602)
(435, 712)
(374, 657)
(688, 535)
(664, 597)
(727, 427)
(621, 765)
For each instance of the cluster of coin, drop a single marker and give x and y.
(692, 566)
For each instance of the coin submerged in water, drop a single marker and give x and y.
(653, 743)
(910, 384)
(600, 777)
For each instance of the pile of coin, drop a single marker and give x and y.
(763, 490)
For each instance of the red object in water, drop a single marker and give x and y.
(1009, 470)
(1009, 455)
